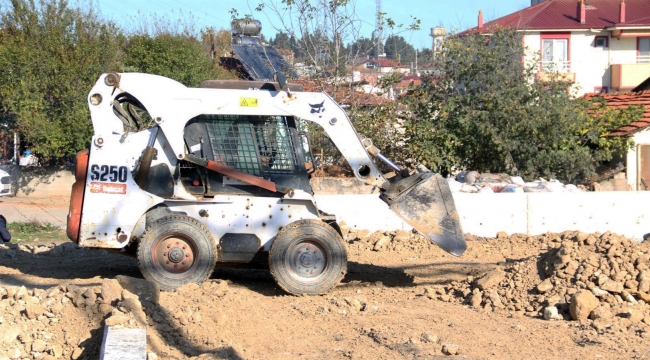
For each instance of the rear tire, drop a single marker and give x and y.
(176, 250)
(308, 257)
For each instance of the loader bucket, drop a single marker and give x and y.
(425, 202)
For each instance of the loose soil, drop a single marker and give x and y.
(402, 298)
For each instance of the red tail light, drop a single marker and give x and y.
(77, 196)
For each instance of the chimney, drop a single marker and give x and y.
(622, 19)
(480, 19)
(582, 13)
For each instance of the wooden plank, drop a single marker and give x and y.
(124, 344)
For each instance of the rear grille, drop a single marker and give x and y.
(5, 180)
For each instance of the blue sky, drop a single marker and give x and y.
(452, 14)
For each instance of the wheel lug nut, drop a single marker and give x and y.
(164, 254)
(183, 263)
(183, 247)
(175, 265)
(167, 262)
(187, 255)
(168, 246)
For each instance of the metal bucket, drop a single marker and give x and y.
(425, 202)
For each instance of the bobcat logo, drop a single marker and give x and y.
(317, 108)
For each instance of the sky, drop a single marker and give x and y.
(453, 14)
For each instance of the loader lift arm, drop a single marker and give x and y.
(321, 109)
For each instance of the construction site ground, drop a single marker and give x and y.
(402, 298)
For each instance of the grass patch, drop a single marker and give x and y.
(34, 231)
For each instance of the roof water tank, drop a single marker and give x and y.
(246, 27)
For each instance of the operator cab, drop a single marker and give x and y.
(265, 146)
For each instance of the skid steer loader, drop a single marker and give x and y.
(184, 178)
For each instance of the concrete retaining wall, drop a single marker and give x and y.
(624, 213)
(358, 205)
(40, 182)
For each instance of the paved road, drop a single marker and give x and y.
(48, 210)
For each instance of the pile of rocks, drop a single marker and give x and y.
(397, 241)
(576, 276)
(46, 323)
(12, 250)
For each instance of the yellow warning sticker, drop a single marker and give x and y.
(249, 102)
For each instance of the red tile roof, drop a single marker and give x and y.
(343, 95)
(563, 15)
(623, 100)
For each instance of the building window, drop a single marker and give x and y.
(555, 52)
(601, 89)
(643, 50)
(601, 42)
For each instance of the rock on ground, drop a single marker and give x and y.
(582, 304)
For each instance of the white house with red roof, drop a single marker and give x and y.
(600, 45)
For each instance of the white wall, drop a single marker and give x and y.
(590, 64)
(624, 213)
(632, 163)
(623, 50)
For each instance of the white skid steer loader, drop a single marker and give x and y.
(187, 177)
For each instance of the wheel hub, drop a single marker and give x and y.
(174, 255)
(308, 260)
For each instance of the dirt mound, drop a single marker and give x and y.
(54, 323)
(600, 280)
(402, 298)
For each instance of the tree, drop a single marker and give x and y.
(484, 113)
(323, 29)
(362, 48)
(281, 41)
(178, 56)
(398, 49)
(216, 43)
(50, 56)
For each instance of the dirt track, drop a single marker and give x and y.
(384, 309)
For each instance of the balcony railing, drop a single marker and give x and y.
(555, 66)
(643, 59)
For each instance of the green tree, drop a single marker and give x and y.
(398, 49)
(50, 56)
(484, 113)
(362, 48)
(178, 56)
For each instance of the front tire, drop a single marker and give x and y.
(176, 250)
(308, 257)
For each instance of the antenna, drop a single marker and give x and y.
(379, 30)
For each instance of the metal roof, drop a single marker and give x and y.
(262, 61)
(563, 15)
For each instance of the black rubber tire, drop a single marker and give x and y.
(188, 239)
(287, 263)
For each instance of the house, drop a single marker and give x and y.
(383, 66)
(599, 45)
(405, 84)
(638, 158)
(645, 85)
(344, 95)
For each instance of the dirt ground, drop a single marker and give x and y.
(401, 299)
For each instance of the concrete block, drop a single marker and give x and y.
(124, 344)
